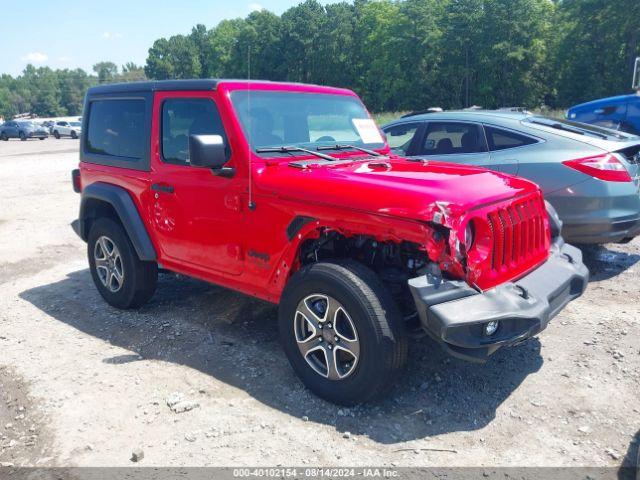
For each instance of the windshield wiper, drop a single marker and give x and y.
(350, 147)
(295, 149)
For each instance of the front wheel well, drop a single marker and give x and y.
(394, 263)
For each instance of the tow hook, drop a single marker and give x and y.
(522, 292)
(567, 257)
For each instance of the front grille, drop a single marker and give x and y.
(519, 234)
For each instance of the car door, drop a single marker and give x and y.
(505, 146)
(12, 130)
(454, 141)
(196, 215)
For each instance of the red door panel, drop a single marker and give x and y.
(196, 215)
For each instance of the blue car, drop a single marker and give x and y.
(619, 113)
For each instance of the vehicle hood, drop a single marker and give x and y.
(394, 187)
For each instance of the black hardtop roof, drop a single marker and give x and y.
(153, 86)
(170, 85)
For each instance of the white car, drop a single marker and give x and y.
(66, 129)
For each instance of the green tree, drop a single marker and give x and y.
(261, 36)
(106, 71)
(221, 46)
(44, 91)
(598, 42)
(132, 73)
(73, 85)
(177, 57)
(301, 41)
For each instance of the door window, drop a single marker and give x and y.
(503, 139)
(183, 117)
(400, 137)
(452, 138)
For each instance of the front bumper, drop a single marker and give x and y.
(455, 314)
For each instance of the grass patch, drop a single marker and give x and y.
(383, 118)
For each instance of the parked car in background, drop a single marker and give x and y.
(67, 129)
(49, 125)
(22, 130)
(588, 173)
(618, 113)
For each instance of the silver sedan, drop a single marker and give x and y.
(591, 175)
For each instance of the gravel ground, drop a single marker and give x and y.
(197, 377)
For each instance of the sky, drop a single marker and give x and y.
(80, 33)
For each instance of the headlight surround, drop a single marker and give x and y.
(469, 236)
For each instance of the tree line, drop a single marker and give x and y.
(57, 93)
(397, 54)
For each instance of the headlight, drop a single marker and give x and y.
(469, 236)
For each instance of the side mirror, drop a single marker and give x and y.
(207, 151)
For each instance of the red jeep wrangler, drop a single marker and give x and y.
(289, 193)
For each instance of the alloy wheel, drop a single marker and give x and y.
(326, 336)
(108, 263)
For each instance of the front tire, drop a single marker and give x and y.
(342, 332)
(23, 137)
(3, 137)
(121, 278)
(74, 135)
(57, 135)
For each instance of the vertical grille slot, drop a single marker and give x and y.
(508, 236)
(498, 240)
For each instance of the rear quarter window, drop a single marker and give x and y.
(116, 129)
(500, 139)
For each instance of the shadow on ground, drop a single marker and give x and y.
(234, 339)
(630, 468)
(604, 262)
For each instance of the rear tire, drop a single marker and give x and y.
(121, 278)
(74, 135)
(365, 313)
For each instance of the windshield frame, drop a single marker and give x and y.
(236, 106)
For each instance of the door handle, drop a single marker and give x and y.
(162, 187)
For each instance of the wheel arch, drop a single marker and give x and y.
(105, 200)
(303, 229)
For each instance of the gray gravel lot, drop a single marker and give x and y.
(93, 384)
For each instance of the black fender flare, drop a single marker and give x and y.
(127, 212)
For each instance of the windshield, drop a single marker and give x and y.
(276, 119)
